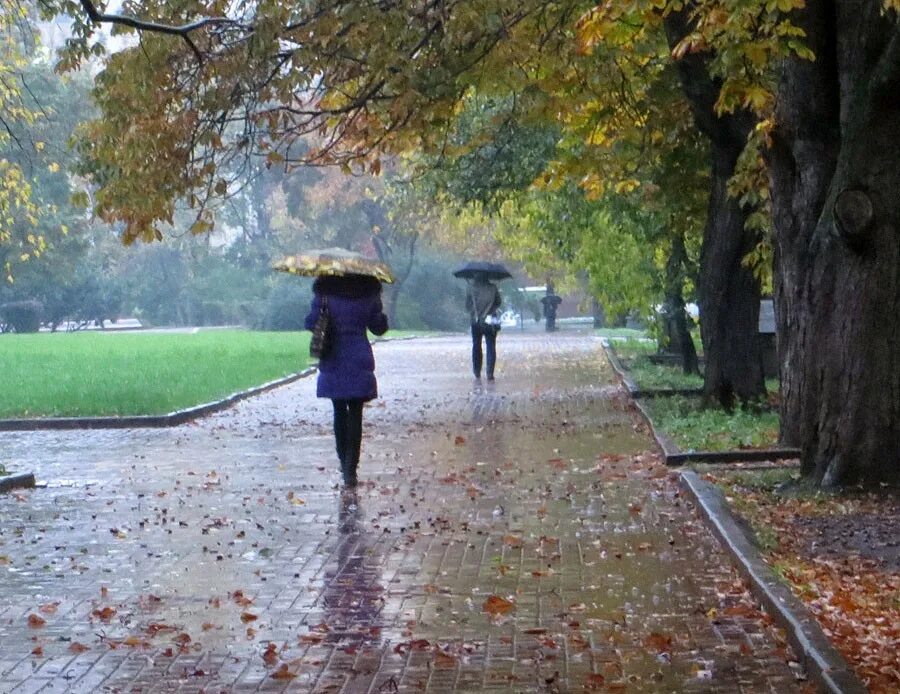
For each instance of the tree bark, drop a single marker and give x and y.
(729, 292)
(678, 333)
(835, 170)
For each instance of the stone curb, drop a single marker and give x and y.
(149, 421)
(397, 339)
(20, 480)
(674, 456)
(821, 660)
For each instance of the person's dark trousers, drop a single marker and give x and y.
(551, 323)
(489, 333)
(348, 436)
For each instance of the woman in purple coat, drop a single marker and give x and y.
(347, 372)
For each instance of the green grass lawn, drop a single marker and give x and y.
(695, 428)
(649, 375)
(86, 374)
(635, 356)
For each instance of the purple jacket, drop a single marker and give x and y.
(348, 372)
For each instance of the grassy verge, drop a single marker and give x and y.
(635, 356)
(91, 374)
(649, 375)
(836, 552)
(695, 428)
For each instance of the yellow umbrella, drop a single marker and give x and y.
(336, 262)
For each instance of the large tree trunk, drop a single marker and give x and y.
(729, 291)
(835, 177)
(678, 333)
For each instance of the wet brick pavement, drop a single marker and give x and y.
(516, 536)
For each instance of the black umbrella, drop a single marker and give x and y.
(493, 271)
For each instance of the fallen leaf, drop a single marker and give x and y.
(76, 647)
(495, 606)
(35, 622)
(239, 598)
(248, 617)
(49, 608)
(660, 642)
(270, 655)
(38, 651)
(104, 614)
(155, 628)
(595, 679)
(283, 673)
(445, 660)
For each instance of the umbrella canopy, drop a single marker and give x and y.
(494, 271)
(337, 262)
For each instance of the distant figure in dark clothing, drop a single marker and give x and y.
(550, 302)
(347, 372)
(483, 301)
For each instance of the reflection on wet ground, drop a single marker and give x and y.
(511, 536)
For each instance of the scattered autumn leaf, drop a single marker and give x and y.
(36, 622)
(495, 606)
(270, 655)
(283, 673)
(104, 614)
(445, 660)
(659, 642)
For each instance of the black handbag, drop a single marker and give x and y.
(320, 343)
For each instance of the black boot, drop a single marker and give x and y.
(349, 470)
(353, 443)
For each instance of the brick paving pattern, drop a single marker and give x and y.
(519, 536)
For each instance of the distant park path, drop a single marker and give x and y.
(518, 536)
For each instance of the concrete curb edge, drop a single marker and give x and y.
(821, 660)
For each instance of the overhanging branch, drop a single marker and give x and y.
(182, 30)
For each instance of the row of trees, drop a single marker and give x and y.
(65, 267)
(773, 115)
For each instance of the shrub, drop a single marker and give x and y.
(22, 316)
(287, 307)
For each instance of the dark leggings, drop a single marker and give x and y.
(490, 340)
(348, 431)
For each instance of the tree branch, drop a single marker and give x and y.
(182, 30)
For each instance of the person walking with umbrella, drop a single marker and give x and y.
(347, 298)
(483, 302)
(550, 303)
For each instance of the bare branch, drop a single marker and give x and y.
(182, 30)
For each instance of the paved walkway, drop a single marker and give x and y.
(516, 536)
